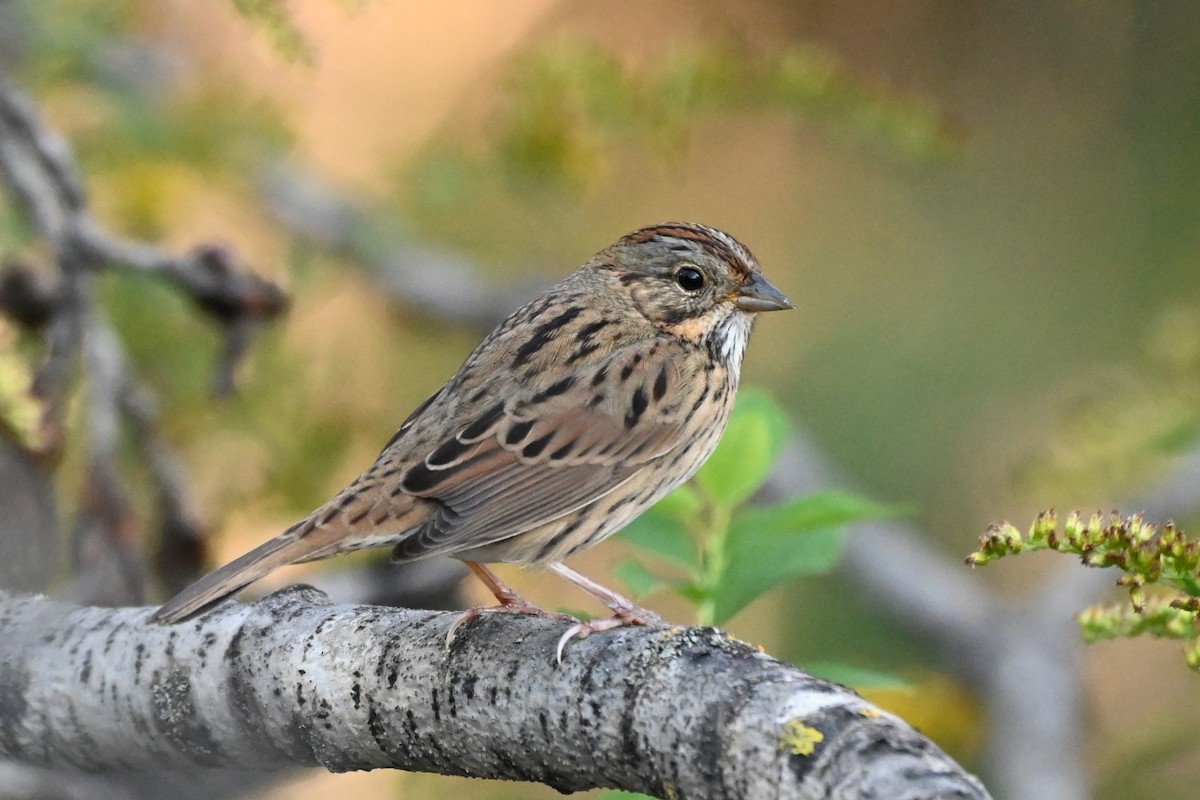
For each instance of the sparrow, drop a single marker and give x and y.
(576, 414)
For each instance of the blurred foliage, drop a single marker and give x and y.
(20, 411)
(721, 552)
(860, 678)
(942, 707)
(1146, 761)
(1162, 560)
(71, 42)
(150, 133)
(1132, 422)
(274, 17)
(144, 128)
(566, 108)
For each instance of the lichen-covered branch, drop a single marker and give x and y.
(294, 681)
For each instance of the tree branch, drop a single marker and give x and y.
(293, 680)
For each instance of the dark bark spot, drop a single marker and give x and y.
(177, 719)
(13, 705)
(378, 733)
(139, 658)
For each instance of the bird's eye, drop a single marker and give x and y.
(690, 279)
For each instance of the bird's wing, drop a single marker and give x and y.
(529, 459)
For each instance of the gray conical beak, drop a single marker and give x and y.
(760, 295)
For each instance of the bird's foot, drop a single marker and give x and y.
(509, 604)
(623, 617)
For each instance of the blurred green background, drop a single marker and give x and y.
(987, 215)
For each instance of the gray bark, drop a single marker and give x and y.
(295, 681)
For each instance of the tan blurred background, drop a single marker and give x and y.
(990, 231)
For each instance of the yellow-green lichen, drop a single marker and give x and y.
(800, 739)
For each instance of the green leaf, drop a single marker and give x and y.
(820, 510)
(664, 536)
(856, 677)
(769, 545)
(742, 461)
(759, 563)
(639, 580)
(682, 503)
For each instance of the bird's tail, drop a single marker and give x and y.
(229, 579)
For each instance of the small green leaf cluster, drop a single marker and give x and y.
(1148, 556)
(721, 553)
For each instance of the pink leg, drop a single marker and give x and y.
(625, 611)
(510, 602)
(504, 594)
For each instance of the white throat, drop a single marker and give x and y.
(732, 335)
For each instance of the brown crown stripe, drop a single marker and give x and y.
(723, 246)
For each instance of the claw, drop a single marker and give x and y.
(621, 619)
(517, 606)
(626, 611)
(510, 602)
(463, 618)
